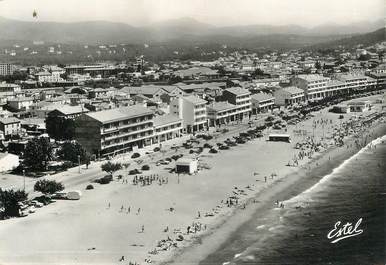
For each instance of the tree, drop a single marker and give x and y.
(9, 200)
(48, 186)
(70, 151)
(60, 128)
(38, 152)
(111, 167)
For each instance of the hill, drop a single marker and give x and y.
(349, 42)
(96, 32)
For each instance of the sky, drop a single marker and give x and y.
(216, 12)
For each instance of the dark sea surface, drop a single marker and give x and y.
(297, 234)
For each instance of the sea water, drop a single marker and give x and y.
(355, 192)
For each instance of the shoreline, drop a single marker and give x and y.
(286, 188)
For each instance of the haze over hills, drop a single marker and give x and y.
(365, 39)
(94, 32)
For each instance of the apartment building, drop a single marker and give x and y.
(10, 126)
(108, 132)
(356, 82)
(7, 69)
(241, 98)
(262, 102)
(221, 113)
(193, 112)
(20, 103)
(288, 96)
(313, 85)
(380, 78)
(48, 77)
(166, 127)
(5, 87)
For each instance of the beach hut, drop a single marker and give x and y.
(187, 165)
(279, 137)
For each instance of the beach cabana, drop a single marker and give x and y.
(189, 166)
(278, 137)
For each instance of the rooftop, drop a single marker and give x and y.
(165, 119)
(313, 77)
(237, 91)
(69, 110)
(293, 90)
(106, 116)
(221, 106)
(9, 120)
(262, 96)
(194, 99)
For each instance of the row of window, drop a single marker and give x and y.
(127, 138)
(127, 122)
(168, 127)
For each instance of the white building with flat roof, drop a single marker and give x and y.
(288, 96)
(192, 110)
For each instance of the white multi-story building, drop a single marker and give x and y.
(193, 112)
(5, 87)
(289, 96)
(7, 69)
(20, 103)
(313, 85)
(241, 98)
(262, 102)
(355, 82)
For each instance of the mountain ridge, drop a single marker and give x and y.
(94, 32)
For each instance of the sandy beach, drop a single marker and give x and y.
(122, 219)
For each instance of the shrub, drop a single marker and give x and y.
(119, 176)
(145, 167)
(135, 155)
(89, 187)
(111, 167)
(341, 116)
(48, 186)
(134, 172)
(104, 180)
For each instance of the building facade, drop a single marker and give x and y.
(288, 96)
(108, 132)
(241, 98)
(7, 69)
(262, 102)
(10, 126)
(166, 127)
(313, 85)
(193, 112)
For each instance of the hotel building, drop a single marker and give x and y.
(314, 86)
(241, 98)
(114, 131)
(193, 112)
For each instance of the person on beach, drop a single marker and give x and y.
(143, 229)
(199, 214)
(265, 179)
(139, 210)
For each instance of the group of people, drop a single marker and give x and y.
(149, 179)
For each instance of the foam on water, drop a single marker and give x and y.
(319, 185)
